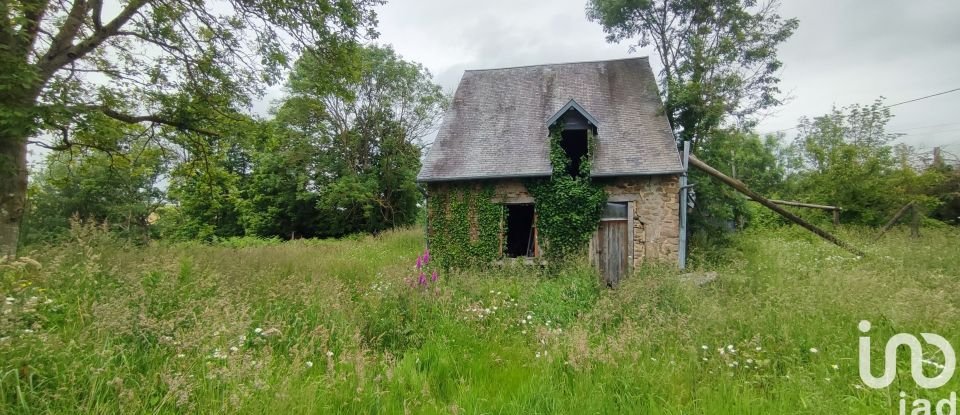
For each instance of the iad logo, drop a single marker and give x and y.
(916, 359)
(920, 406)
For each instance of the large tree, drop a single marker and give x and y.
(718, 57)
(366, 121)
(168, 63)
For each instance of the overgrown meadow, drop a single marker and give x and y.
(348, 326)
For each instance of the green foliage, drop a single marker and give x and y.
(744, 156)
(568, 208)
(451, 213)
(845, 158)
(719, 58)
(179, 67)
(330, 327)
(361, 125)
(120, 190)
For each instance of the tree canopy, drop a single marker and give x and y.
(171, 65)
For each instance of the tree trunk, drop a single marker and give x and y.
(13, 191)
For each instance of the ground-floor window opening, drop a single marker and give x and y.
(521, 236)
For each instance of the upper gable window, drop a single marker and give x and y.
(574, 138)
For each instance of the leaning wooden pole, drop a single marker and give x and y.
(742, 188)
(894, 219)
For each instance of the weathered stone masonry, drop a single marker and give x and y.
(653, 203)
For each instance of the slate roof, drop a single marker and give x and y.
(496, 126)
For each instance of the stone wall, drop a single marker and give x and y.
(653, 202)
(655, 206)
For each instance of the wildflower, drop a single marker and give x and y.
(258, 330)
(422, 280)
(814, 350)
(426, 256)
(835, 367)
(329, 353)
(233, 348)
(433, 277)
(704, 347)
(309, 364)
(486, 310)
(758, 348)
(419, 263)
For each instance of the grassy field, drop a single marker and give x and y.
(336, 327)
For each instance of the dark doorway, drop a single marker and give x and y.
(520, 234)
(574, 143)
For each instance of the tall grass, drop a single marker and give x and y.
(95, 326)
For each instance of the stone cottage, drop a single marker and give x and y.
(495, 136)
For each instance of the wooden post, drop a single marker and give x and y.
(915, 222)
(684, 195)
(742, 188)
(894, 219)
(836, 217)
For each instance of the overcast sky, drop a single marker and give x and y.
(845, 52)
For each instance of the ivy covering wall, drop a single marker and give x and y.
(568, 207)
(464, 225)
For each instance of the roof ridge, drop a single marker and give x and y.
(559, 64)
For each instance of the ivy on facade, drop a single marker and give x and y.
(465, 225)
(568, 207)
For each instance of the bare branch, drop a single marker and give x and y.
(57, 58)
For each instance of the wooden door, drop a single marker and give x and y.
(613, 244)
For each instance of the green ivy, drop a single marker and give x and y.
(568, 208)
(450, 215)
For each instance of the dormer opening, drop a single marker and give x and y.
(576, 124)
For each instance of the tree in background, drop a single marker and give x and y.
(120, 189)
(719, 58)
(719, 72)
(846, 158)
(174, 64)
(365, 122)
(747, 157)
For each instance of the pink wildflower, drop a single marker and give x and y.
(423, 279)
(433, 277)
(426, 257)
(419, 262)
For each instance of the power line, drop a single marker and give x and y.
(889, 106)
(922, 98)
